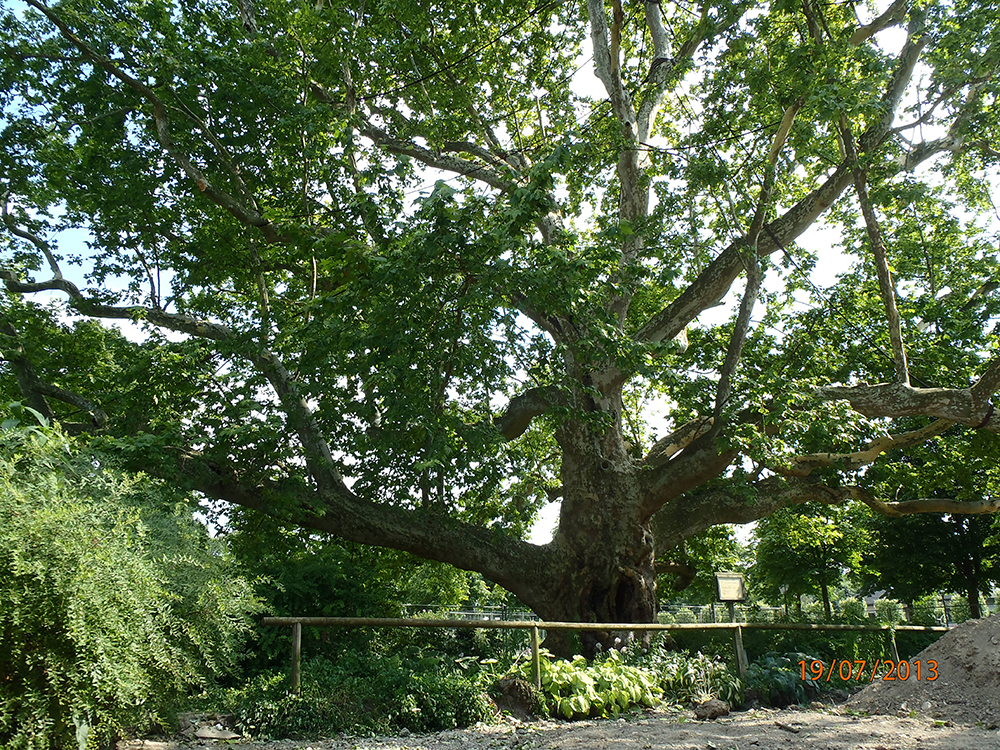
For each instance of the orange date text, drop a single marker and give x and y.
(861, 670)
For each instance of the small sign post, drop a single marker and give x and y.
(731, 588)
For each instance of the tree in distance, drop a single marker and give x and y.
(928, 554)
(332, 340)
(955, 553)
(805, 553)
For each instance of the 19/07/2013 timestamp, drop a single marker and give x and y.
(856, 670)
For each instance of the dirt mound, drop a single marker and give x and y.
(967, 688)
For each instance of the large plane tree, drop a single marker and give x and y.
(406, 271)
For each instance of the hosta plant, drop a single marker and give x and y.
(576, 690)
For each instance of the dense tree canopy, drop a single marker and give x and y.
(336, 339)
(922, 555)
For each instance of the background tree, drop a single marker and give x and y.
(798, 553)
(928, 554)
(687, 572)
(422, 368)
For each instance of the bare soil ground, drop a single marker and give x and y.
(960, 710)
(761, 729)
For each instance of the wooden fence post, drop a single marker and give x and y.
(536, 659)
(741, 655)
(297, 657)
(892, 646)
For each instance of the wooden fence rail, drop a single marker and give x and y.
(537, 625)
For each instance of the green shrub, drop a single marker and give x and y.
(776, 680)
(889, 612)
(853, 611)
(685, 615)
(814, 611)
(683, 676)
(928, 611)
(959, 609)
(360, 694)
(636, 676)
(113, 601)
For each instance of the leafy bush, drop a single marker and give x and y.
(928, 611)
(889, 611)
(576, 690)
(359, 694)
(959, 609)
(685, 615)
(853, 611)
(636, 676)
(113, 601)
(683, 676)
(776, 680)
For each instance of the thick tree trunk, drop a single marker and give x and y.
(971, 581)
(975, 611)
(606, 575)
(602, 569)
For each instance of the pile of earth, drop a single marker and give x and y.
(967, 689)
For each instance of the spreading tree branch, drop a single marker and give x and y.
(667, 447)
(504, 559)
(711, 285)
(317, 452)
(35, 390)
(751, 262)
(926, 505)
(893, 16)
(246, 215)
(521, 410)
(31, 237)
(802, 466)
(683, 572)
(329, 506)
(697, 511)
(887, 287)
(968, 406)
(457, 165)
(605, 66)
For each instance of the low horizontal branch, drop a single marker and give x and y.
(927, 505)
(968, 406)
(667, 447)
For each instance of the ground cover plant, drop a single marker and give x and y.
(634, 677)
(606, 687)
(358, 694)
